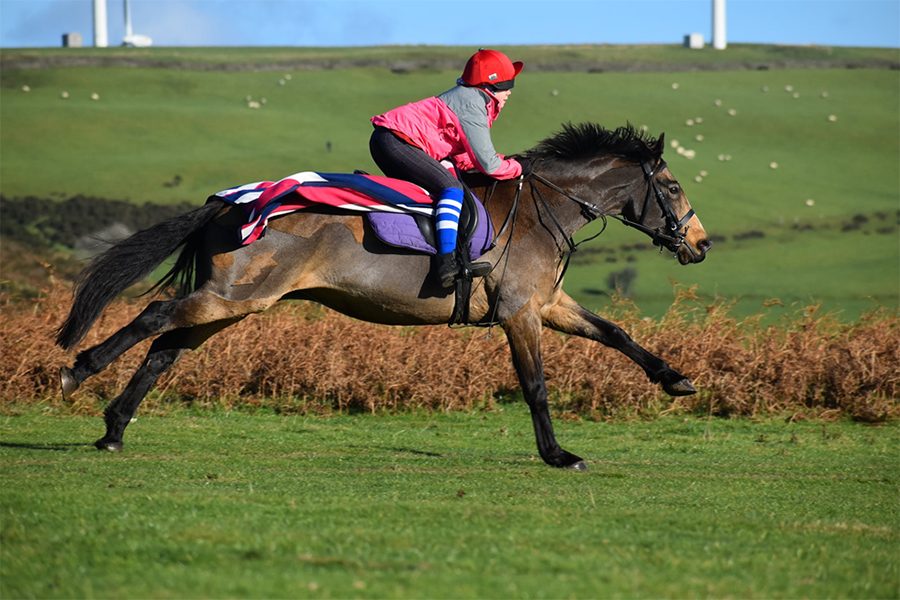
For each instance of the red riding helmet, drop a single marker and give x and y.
(489, 67)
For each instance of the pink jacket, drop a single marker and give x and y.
(461, 133)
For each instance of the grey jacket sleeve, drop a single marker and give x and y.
(470, 107)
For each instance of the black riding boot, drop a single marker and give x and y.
(449, 269)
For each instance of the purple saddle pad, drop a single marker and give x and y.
(401, 230)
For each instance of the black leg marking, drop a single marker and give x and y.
(524, 334)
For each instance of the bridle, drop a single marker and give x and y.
(671, 236)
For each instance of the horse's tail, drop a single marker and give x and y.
(127, 263)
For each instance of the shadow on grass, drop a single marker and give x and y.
(51, 446)
(402, 450)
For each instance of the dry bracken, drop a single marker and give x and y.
(301, 357)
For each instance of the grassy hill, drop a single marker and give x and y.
(175, 126)
(665, 57)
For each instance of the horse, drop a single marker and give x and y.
(579, 174)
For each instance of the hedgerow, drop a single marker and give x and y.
(301, 357)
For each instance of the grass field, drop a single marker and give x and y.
(846, 272)
(548, 56)
(207, 502)
(231, 505)
(151, 127)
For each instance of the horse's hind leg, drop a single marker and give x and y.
(165, 350)
(195, 309)
(152, 320)
(568, 316)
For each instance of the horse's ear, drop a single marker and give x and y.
(660, 144)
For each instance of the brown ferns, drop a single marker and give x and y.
(301, 358)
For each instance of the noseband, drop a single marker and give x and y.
(671, 236)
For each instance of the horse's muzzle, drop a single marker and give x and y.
(693, 253)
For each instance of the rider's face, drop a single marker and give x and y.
(503, 96)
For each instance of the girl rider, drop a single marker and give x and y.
(409, 141)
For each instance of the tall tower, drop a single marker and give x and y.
(101, 33)
(718, 24)
(131, 38)
(128, 33)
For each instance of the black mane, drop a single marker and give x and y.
(589, 139)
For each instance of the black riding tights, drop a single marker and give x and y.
(401, 160)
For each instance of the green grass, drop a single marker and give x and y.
(150, 125)
(648, 53)
(847, 273)
(219, 505)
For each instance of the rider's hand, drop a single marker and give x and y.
(526, 165)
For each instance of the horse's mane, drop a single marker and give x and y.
(589, 139)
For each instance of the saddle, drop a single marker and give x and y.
(417, 232)
(475, 237)
(400, 213)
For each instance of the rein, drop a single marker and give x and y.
(589, 211)
(670, 237)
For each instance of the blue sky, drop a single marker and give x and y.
(41, 23)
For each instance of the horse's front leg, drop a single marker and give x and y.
(567, 316)
(523, 331)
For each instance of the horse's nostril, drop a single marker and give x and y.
(705, 244)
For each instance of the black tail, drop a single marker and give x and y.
(127, 263)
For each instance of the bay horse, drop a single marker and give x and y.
(581, 173)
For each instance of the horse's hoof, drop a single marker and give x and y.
(67, 382)
(109, 446)
(579, 466)
(682, 387)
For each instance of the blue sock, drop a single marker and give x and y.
(446, 218)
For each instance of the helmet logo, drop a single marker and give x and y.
(492, 76)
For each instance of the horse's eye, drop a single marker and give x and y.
(673, 190)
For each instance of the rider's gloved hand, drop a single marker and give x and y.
(526, 164)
